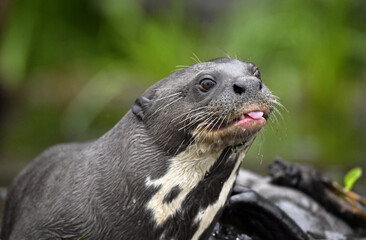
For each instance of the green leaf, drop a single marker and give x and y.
(82, 236)
(351, 177)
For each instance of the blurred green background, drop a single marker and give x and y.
(69, 70)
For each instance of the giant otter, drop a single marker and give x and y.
(165, 171)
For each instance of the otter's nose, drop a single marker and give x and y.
(247, 84)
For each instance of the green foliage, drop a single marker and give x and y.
(82, 236)
(89, 60)
(351, 178)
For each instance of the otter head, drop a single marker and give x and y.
(219, 103)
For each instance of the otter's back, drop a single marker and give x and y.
(34, 193)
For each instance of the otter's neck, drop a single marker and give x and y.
(195, 187)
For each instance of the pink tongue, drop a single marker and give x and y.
(255, 115)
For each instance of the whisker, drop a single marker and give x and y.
(209, 130)
(275, 97)
(168, 88)
(260, 150)
(273, 115)
(223, 116)
(199, 117)
(280, 105)
(181, 66)
(276, 100)
(196, 59)
(198, 128)
(171, 95)
(167, 140)
(201, 131)
(190, 124)
(165, 106)
(222, 121)
(179, 147)
(187, 114)
(213, 126)
(273, 121)
(227, 54)
(203, 126)
(279, 113)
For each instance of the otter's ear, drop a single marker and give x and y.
(137, 107)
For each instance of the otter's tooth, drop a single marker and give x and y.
(242, 116)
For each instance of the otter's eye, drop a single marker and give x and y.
(206, 84)
(256, 72)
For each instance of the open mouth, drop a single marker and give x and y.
(236, 128)
(249, 120)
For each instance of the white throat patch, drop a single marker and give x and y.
(206, 216)
(187, 169)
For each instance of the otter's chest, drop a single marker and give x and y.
(192, 193)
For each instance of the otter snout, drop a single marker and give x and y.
(247, 85)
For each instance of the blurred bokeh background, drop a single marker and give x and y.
(69, 70)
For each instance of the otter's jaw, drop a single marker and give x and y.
(247, 120)
(251, 119)
(238, 127)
